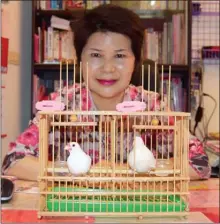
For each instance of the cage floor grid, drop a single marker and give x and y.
(128, 203)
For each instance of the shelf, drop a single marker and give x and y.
(206, 61)
(80, 11)
(66, 14)
(56, 67)
(150, 18)
(205, 14)
(174, 68)
(50, 67)
(157, 13)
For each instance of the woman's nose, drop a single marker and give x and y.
(108, 66)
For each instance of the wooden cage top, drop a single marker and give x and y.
(117, 113)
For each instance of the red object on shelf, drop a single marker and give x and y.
(71, 4)
(4, 55)
(3, 135)
(211, 52)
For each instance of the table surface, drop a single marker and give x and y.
(204, 205)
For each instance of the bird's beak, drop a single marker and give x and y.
(67, 147)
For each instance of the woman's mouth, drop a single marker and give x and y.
(105, 82)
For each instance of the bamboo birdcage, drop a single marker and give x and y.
(111, 188)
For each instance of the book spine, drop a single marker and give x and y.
(40, 45)
(48, 4)
(36, 48)
(164, 44)
(42, 5)
(50, 44)
(45, 46)
(160, 53)
(55, 45)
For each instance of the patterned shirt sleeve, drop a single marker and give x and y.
(198, 159)
(25, 144)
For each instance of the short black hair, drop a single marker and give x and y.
(113, 18)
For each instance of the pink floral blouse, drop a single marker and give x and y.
(27, 142)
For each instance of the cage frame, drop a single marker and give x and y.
(181, 175)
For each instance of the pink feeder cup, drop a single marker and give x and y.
(49, 105)
(131, 106)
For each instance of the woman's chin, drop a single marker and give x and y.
(103, 94)
(107, 95)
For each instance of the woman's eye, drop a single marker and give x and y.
(96, 55)
(120, 55)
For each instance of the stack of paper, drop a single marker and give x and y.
(59, 23)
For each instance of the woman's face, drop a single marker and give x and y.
(107, 63)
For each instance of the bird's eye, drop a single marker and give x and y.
(73, 145)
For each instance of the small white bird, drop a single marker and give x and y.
(141, 159)
(78, 161)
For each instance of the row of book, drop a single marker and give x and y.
(59, 4)
(55, 43)
(43, 87)
(88, 4)
(178, 94)
(151, 5)
(168, 46)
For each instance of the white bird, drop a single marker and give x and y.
(141, 159)
(78, 161)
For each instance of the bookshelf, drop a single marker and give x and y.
(155, 20)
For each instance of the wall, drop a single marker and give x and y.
(211, 87)
(16, 96)
(205, 32)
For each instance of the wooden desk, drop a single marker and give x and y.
(25, 196)
(204, 197)
(24, 204)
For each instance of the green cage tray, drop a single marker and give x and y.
(128, 203)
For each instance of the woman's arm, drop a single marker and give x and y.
(192, 174)
(25, 169)
(21, 159)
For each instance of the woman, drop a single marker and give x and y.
(108, 41)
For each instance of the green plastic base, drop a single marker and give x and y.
(119, 204)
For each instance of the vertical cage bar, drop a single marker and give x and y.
(67, 86)
(113, 136)
(174, 161)
(74, 85)
(43, 156)
(80, 87)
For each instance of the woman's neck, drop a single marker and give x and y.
(107, 104)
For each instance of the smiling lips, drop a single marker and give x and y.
(105, 82)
